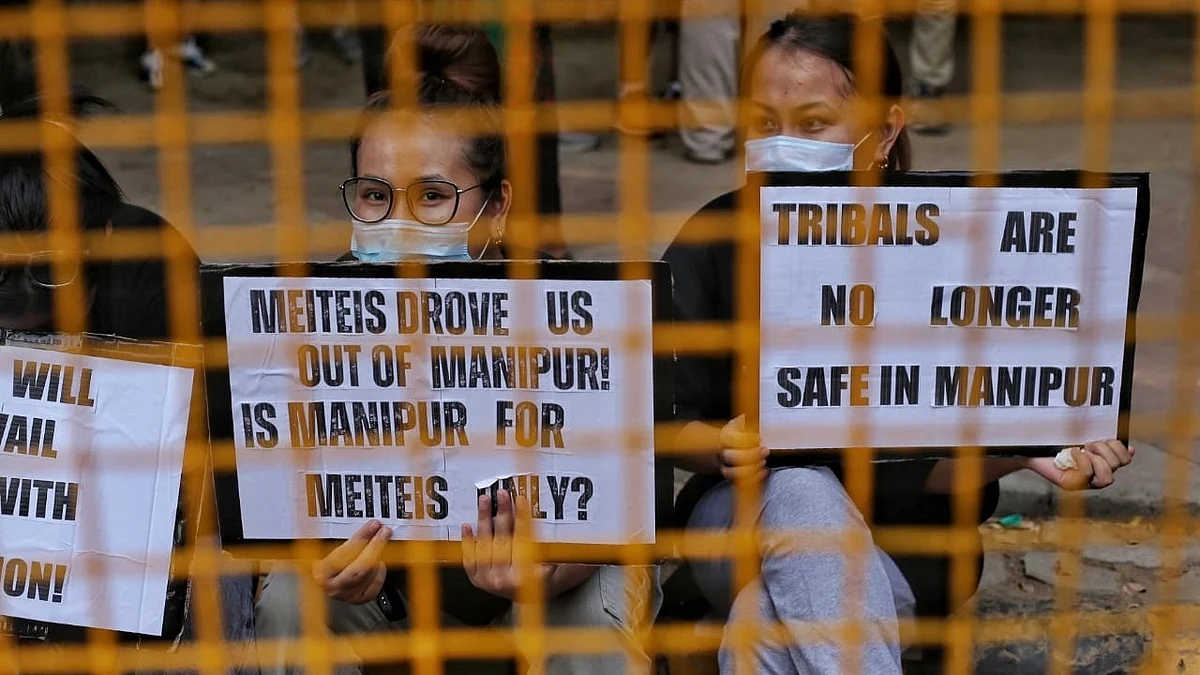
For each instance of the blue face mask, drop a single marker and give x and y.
(393, 240)
(790, 153)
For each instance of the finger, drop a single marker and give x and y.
(484, 520)
(468, 549)
(1122, 452)
(734, 435)
(1104, 454)
(343, 555)
(1103, 476)
(374, 584)
(1084, 461)
(504, 514)
(743, 472)
(483, 535)
(367, 559)
(522, 520)
(743, 457)
(522, 524)
(502, 538)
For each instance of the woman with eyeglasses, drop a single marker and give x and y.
(420, 187)
(425, 189)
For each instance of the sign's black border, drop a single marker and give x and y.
(212, 292)
(1066, 179)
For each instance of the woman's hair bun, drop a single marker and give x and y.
(459, 58)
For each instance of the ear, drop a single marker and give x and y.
(892, 127)
(498, 207)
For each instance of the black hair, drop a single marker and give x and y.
(457, 71)
(24, 174)
(831, 36)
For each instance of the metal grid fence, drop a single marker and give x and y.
(174, 130)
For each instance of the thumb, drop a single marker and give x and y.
(734, 435)
(1077, 478)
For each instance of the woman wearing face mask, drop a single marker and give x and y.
(420, 189)
(424, 189)
(805, 114)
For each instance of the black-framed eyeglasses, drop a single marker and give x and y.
(39, 269)
(431, 202)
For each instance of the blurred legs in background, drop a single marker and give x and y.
(932, 55)
(643, 85)
(151, 64)
(708, 79)
(710, 50)
(345, 40)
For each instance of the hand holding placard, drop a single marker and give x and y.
(354, 572)
(742, 454)
(488, 549)
(1090, 466)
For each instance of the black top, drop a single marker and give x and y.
(132, 297)
(131, 300)
(704, 279)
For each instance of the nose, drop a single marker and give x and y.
(400, 210)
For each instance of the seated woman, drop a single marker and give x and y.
(424, 189)
(125, 297)
(806, 114)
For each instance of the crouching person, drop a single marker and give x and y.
(364, 596)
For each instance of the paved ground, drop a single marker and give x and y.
(232, 185)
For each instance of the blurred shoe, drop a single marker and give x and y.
(926, 112)
(348, 46)
(708, 158)
(150, 69)
(576, 141)
(194, 60)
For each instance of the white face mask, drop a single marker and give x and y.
(789, 153)
(394, 239)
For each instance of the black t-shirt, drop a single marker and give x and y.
(704, 278)
(132, 296)
(131, 300)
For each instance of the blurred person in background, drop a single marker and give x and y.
(151, 64)
(127, 298)
(345, 42)
(152, 68)
(345, 39)
(667, 27)
(422, 189)
(805, 115)
(932, 58)
(710, 49)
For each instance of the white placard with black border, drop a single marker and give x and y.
(355, 395)
(925, 312)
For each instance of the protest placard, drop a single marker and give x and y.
(93, 455)
(926, 313)
(354, 398)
